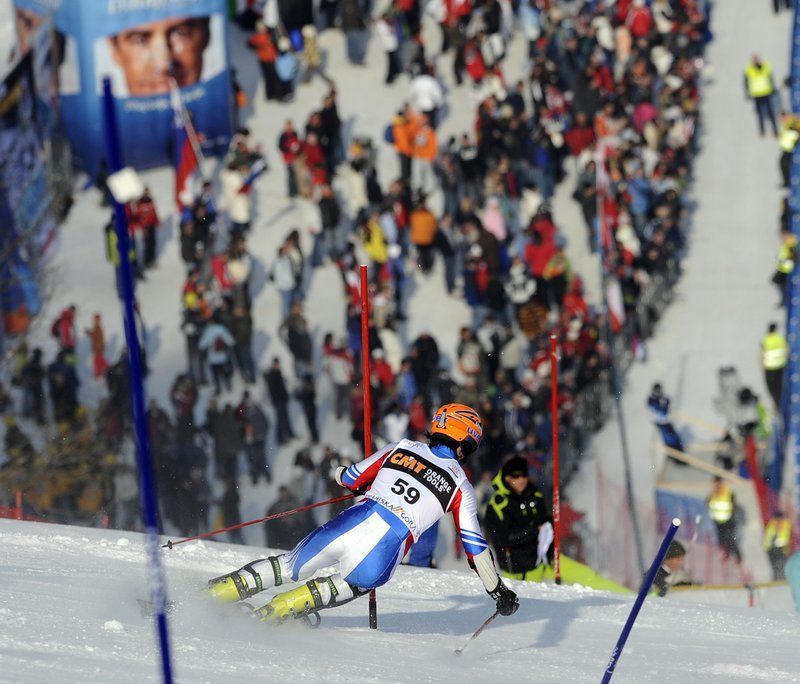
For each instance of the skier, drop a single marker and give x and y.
(409, 487)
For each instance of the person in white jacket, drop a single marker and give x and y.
(217, 343)
(283, 276)
(529, 204)
(392, 346)
(426, 95)
(386, 30)
(238, 205)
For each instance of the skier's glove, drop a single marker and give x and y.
(505, 600)
(543, 546)
(337, 475)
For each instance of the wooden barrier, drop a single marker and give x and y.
(700, 464)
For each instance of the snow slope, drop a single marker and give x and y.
(68, 612)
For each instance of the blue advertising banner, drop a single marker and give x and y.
(671, 504)
(25, 220)
(140, 45)
(791, 390)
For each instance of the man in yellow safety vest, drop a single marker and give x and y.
(777, 543)
(789, 135)
(721, 509)
(774, 357)
(760, 88)
(786, 259)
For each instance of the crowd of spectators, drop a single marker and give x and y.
(607, 95)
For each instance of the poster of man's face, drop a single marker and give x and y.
(143, 59)
(150, 54)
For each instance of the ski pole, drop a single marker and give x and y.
(282, 514)
(637, 605)
(698, 523)
(486, 623)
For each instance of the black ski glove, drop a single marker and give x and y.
(505, 599)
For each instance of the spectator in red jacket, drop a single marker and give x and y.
(63, 329)
(147, 221)
(382, 369)
(639, 20)
(315, 159)
(290, 147)
(581, 136)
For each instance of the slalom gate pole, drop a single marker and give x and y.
(637, 605)
(365, 387)
(556, 477)
(488, 621)
(147, 485)
(18, 504)
(751, 458)
(698, 523)
(282, 514)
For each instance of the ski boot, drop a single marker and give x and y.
(235, 586)
(304, 602)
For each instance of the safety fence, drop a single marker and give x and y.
(611, 552)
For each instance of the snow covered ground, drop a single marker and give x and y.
(68, 612)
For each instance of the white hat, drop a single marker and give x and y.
(284, 44)
(394, 250)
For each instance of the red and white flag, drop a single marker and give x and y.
(615, 303)
(186, 163)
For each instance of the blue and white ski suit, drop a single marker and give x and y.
(411, 487)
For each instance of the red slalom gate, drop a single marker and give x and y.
(373, 599)
(556, 477)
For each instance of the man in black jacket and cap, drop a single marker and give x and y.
(670, 573)
(518, 522)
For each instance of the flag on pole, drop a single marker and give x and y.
(605, 202)
(255, 171)
(616, 304)
(185, 158)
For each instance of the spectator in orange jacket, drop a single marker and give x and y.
(97, 337)
(261, 41)
(404, 130)
(424, 149)
(424, 227)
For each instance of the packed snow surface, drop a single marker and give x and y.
(69, 613)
